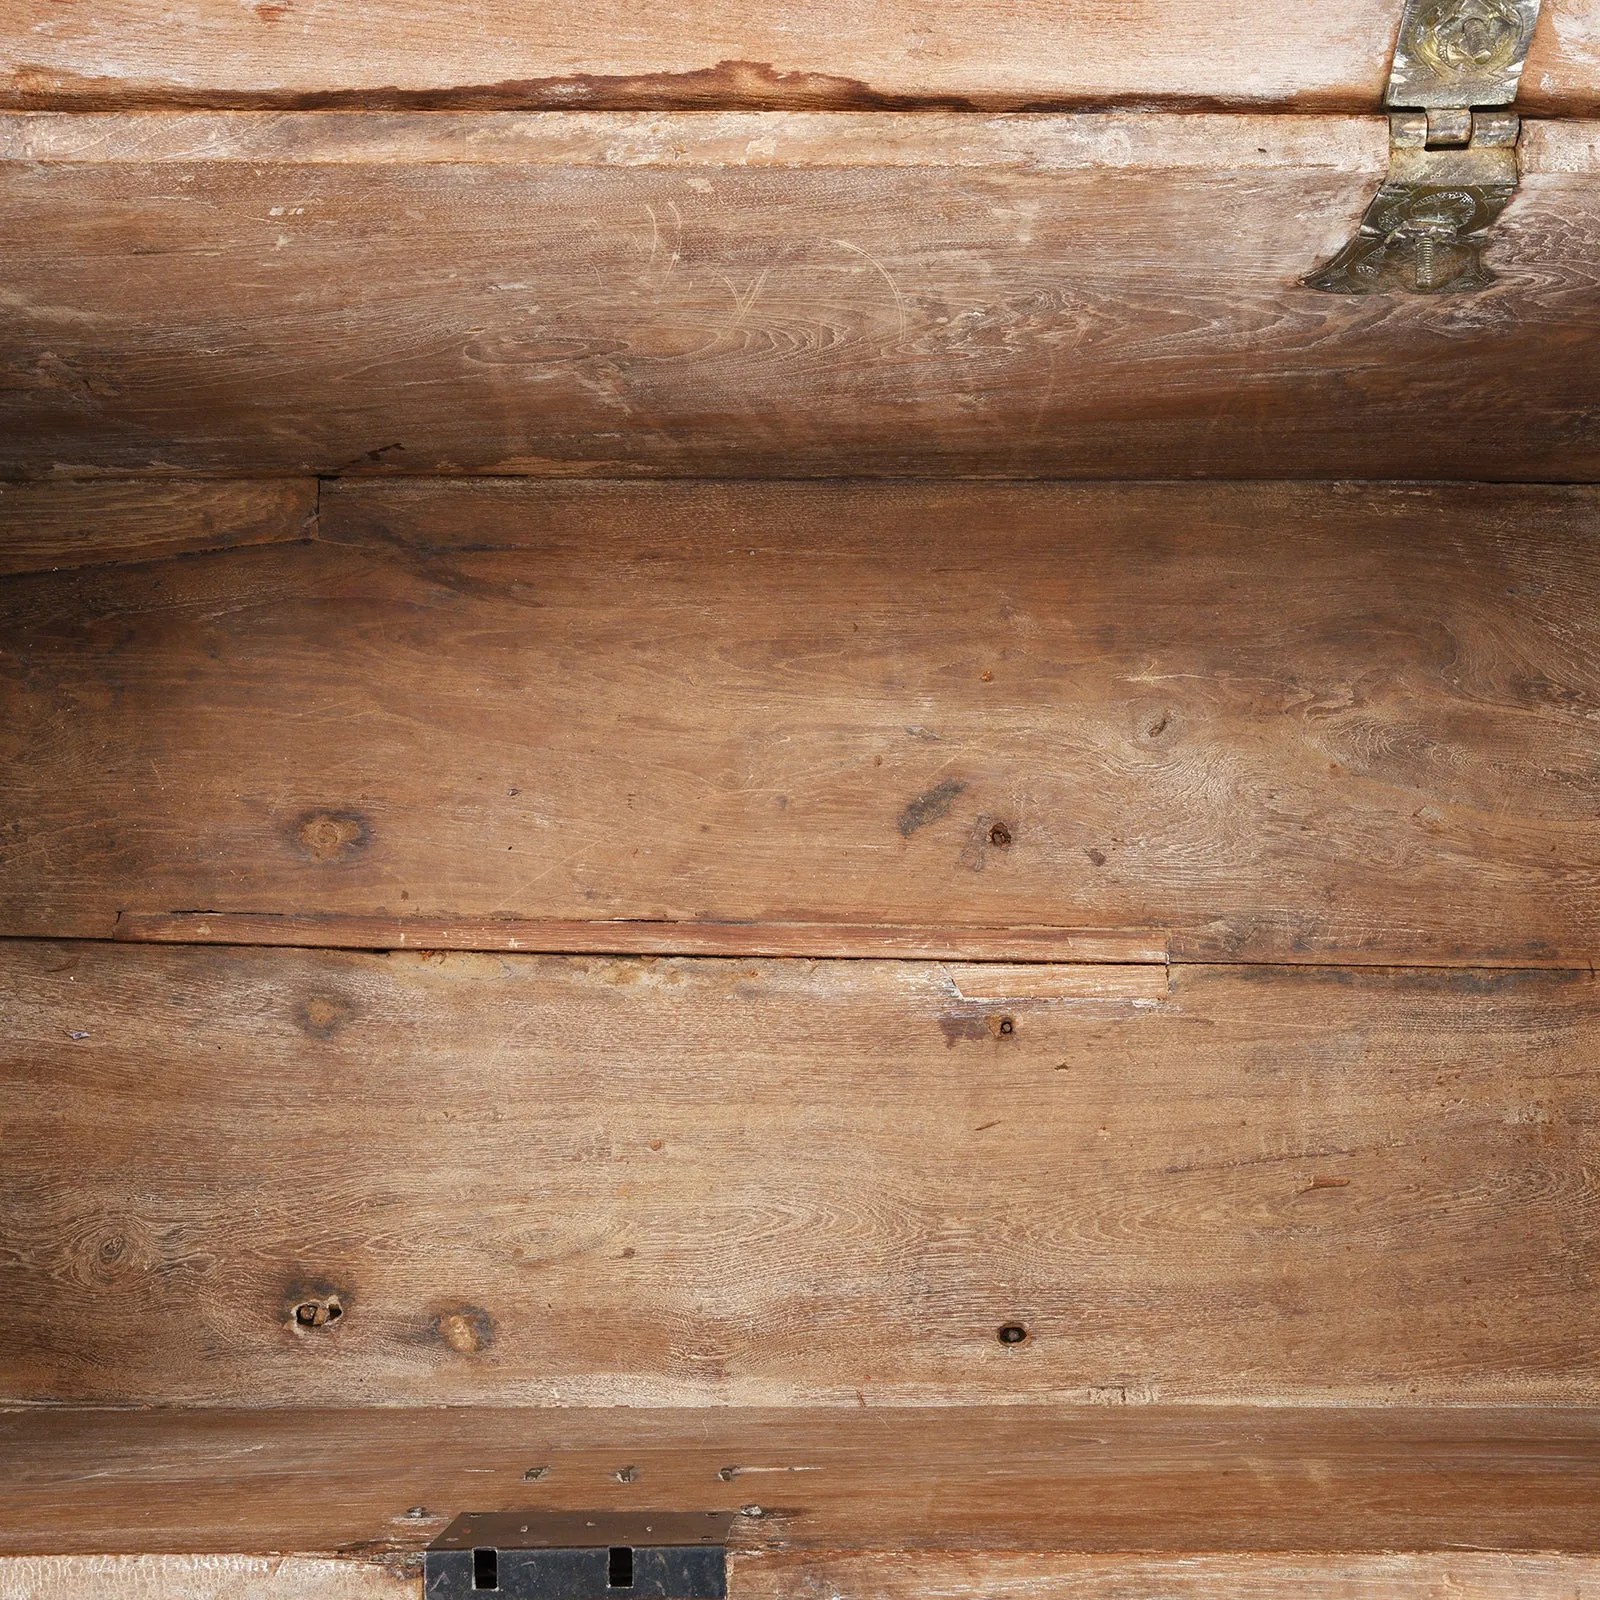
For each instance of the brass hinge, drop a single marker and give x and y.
(1452, 155)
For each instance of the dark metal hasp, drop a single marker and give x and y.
(580, 1555)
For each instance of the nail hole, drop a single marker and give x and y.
(485, 1568)
(619, 1567)
(318, 1313)
(1000, 836)
(1012, 1333)
(1007, 1025)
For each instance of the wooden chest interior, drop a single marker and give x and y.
(748, 767)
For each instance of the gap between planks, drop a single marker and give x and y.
(1017, 947)
(811, 940)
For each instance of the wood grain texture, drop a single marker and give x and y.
(987, 1576)
(228, 1577)
(564, 1180)
(814, 53)
(923, 1576)
(47, 526)
(858, 1496)
(709, 141)
(816, 940)
(769, 295)
(1285, 723)
(1444, 1576)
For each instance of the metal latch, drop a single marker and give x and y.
(1452, 156)
(598, 1555)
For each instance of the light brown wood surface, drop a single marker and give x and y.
(47, 526)
(235, 1577)
(563, 1181)
(814, 940)
(964, 1575)
(812, 53)
(839, 1491)
(925, 1575)
(1274, 722)
(770, 295)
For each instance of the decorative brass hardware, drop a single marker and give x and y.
(1452, 159)
(1426, 230)
(1461, 53)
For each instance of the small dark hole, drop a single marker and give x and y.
(1000, 836)
(1012, 1333)
(1007, 1025)
(318, 1313)
(619, 1569)
(485, 1568)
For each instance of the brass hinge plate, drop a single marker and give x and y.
(1452, 156)
(1461, 53)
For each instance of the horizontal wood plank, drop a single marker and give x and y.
(821, 940)
(769, 295)
(277, 1177)
(219, 1576)
(835, 141)
(925, 1575)
(812, 53)
(1282, 723)
(862, 1499)
(47, 526)
(989, 1576)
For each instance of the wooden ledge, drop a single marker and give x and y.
(1000, 1480)
(1035, 141)
(775, 139)
(880, 1575)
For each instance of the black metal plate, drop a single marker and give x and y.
(542, 1555)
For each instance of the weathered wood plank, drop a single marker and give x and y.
(926, 1575)
(813, 53)
(1284, 723)
(48, 526)
(988, 1576)
(770, 295)
(588, 1181)
(860, 1497)
(232, 1577)
(820, 940)
(763, 143)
